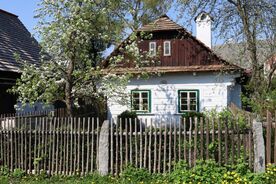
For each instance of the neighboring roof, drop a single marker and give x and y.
(164, 23)
(161, 24)
(236, 53)
(15, 39)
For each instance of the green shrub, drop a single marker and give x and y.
(127, 118)
(17, 173)
(227, 117)
(189, 115)
(128, 114)
(4, 171)
(132, 174)
(204, 172)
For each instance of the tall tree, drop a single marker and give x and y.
(249, 23)
(135, 13)
(74, 34)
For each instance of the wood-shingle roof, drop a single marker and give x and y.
(15, 39)
(161, 24)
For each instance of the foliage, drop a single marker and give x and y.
(18, 173)
(247, 27)
(135, 175)
(190, 118)
(188, 115)
(204, 172)
(136, 13)
(266, 100)
(4, 171)
(228, 117)
(129, 118)
(74, 36)
(128, 114)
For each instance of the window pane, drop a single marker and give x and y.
(152, 48)
(144, 95)
(145, 107)
(135, 104)
(184, 101)
(145, 101)
(183, 94)
(193, 107)
(192, 101)
(135, 95)
(167, 48)
(184, 108)
(192, 94)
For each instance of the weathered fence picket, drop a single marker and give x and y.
(69, 145)
(55, 145)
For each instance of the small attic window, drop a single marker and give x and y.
(167, 48)
(152, 48)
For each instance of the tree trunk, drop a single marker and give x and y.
(68, 100)
(68, 89)
(251, 40)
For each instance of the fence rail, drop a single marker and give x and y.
(70, 145)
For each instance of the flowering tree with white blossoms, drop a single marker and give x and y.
(74, 34)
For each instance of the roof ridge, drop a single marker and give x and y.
(9, 13)
(163, 18)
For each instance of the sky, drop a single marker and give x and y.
(24, 9)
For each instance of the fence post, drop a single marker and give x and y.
(259, 147)
(103, 153)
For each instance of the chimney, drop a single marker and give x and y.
(203, 28)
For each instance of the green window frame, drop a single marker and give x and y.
(188, 101)
(141, 101)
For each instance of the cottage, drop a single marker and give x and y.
(193, 77)
(14, 39)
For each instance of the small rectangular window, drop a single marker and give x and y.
(167, 48)
(188, 100)
(152, 48)
(140, 100)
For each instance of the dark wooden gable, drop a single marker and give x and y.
(186, 50)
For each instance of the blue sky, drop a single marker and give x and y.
(24, 9)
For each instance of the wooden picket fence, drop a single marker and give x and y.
(55, 145)
(145, 145)
(270, 137)
(69, 146)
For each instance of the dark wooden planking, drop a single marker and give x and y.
(184, 51)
